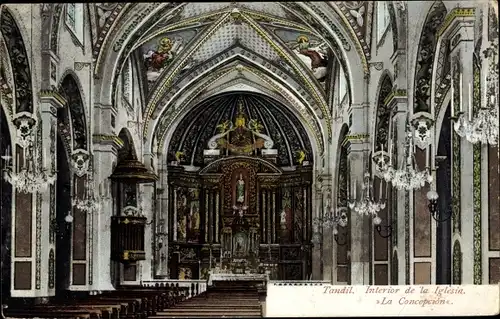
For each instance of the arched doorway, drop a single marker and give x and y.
(5, 211)
(443, 188)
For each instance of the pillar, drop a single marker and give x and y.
(105, 153)
(358, 157)
(46, 201)
(461, 34)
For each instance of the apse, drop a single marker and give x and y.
(276, 121)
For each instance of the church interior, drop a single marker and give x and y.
(154, 154)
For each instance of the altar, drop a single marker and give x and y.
(240, 210)
(260, 279)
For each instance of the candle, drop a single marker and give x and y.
(390, 139)
(470, 102)
(427, 154)
(382, 148)
(44, 157)
(76, 187)
(452, 94)
(354, 191)
(460, 86)
(380, 190)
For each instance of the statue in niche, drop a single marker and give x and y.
(194, 222)
(283, 219)
(240, 190)
(181, 229)
(130, 196)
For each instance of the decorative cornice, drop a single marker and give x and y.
(112, 140)
(52, 96)
(456, 13)
(394, 94)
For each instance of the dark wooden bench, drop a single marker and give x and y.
(80, 313)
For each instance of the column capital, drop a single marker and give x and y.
(53, 99)
(107, 140)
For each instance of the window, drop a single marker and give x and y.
(342, 86)
(70, 15)
(74, 19)
(383, 19)
(127, 82)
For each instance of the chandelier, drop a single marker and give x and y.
(366, 205)
(407, 177)
(483, 128)
(89, 203)
(29, 178)
(330, 220)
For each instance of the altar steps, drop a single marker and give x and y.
(237, 301)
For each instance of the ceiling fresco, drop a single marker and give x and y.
(159, 52)
(181, 43)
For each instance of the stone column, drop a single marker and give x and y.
(358, 157)
(163, 226)
(316, 251)
(105, 153)
(147, 206)
(461, 33)
(45, 275)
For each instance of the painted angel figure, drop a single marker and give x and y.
(157, 59)
(312, 54)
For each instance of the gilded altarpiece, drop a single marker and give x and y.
(242, 214)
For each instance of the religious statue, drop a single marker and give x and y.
(283, 219)
(240, 190)
(240, 209)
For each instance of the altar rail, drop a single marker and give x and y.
(195, 286)
(298, 282)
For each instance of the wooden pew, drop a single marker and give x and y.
(80, 313)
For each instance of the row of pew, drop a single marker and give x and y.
(124, 303)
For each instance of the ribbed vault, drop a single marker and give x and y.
(193, 132)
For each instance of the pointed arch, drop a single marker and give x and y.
(19, 60)
(382, 112)
(70, 89)
(425, 57)
(128, 144)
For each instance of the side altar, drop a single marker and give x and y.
(240, 211)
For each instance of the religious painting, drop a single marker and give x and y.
(159, 52)
(181, 206)
(312, 51)
(188, 215)
(193, 218)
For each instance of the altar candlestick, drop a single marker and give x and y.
(460, 86)
(382, 148)
(390, 151)
(470, 102)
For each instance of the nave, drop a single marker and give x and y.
(150, 151)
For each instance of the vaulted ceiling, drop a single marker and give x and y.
(190, 51)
